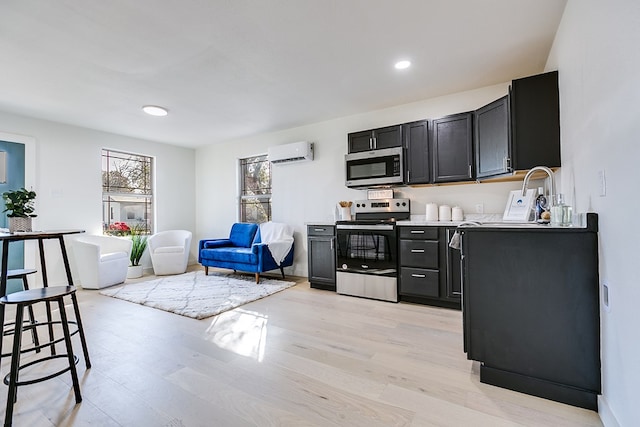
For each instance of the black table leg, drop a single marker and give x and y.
(45, 283)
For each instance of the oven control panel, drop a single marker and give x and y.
(382, 205)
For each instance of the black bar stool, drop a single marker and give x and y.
(27, 298)
(22, 274)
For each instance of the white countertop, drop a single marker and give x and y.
(421, 220)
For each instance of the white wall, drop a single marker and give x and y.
(308, 191)
(64, 168)
(596, 53)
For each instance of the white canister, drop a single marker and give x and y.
(345, 213)
(432, 212)
(457, 214)
(445, 213)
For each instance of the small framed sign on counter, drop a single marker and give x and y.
(519, 207)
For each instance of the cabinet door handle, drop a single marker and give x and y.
(508, 163)
(417, 251)
(370, 143)
(470, 175)
(417, 231)
(419, 276)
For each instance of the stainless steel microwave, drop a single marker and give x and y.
(375, 168)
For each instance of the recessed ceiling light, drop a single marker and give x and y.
(401, 65)
(154, 110)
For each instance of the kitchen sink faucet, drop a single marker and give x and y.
(552, 182)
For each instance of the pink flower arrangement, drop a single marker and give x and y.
(119, 226)
(118, 229)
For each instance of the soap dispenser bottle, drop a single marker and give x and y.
(542, 205)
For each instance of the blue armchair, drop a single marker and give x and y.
(242, 251)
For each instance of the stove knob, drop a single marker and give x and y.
(398, 204)
(364, 205)
(404, 203)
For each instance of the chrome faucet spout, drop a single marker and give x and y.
(552, 182)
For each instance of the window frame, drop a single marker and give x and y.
(140, 199)
(264, 199)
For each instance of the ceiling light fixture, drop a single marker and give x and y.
(154, 110)
(401, 65)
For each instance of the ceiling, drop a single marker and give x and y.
(230, 69)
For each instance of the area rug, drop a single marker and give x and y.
(195, 295)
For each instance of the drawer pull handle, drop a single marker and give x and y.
(319, 229)
(417, 251)
(419, 276)
(417, 231)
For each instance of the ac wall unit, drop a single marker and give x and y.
(295, 152)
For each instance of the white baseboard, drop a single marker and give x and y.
(606, 414)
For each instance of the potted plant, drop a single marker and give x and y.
(19, 205)
(137, 249)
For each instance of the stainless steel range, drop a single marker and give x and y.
(367, 264)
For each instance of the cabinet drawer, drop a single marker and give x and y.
(419, 253)
(320, 230)
(420, 282)
(422, 233)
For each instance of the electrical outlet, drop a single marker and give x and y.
(602, 183)
(479, 208)
(606, 302)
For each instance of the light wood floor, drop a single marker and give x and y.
(301, 357)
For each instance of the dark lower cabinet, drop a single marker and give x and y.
(531, 310)
(453, 267)
(321, 250)
(429, 273)
(452, 144)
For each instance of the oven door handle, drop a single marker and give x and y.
(382, 227)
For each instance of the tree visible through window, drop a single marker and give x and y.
(127, 196)
(255, 197)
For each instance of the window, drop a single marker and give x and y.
(255, 192)
(127, 196)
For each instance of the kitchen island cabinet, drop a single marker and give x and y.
(531, 309)
(321, 251)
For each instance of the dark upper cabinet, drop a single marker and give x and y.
(417, 159)
(492, 138)
(452, 145)
(535, 121)
(375, 139)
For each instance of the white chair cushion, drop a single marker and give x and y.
(112, 256)
(169, 250)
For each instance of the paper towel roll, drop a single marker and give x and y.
(432, 212)
(445, 213)
(457, 214)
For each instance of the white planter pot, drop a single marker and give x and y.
(134, 271)
(19, 224)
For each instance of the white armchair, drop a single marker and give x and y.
(101, 261)
(169, 251)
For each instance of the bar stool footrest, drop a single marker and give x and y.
(47, 377)
(39, 347)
